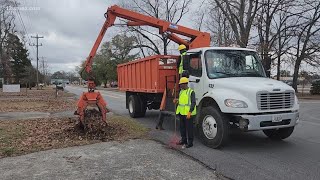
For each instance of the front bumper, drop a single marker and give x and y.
(270, 121)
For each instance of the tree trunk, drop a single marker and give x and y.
(295, 75)
(278, 68)
(267, 63)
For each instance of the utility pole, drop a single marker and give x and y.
(37, 45)
(44, 70)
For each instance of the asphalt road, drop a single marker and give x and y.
(248, 155)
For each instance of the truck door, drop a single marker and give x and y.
(195, 74)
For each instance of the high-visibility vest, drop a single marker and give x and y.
(181, 63)
(185, 102)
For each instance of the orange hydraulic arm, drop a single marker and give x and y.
(197, 38)
(172, 31)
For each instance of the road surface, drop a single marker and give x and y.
(248, 155)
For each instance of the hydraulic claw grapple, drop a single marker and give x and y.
(91, 98)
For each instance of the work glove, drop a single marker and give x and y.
(189, 115)
(175, 101)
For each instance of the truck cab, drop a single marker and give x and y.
(232, 91)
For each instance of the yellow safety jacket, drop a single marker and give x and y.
(181, 63)
(185, 102)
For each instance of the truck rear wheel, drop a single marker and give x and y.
(136, 107)
(213, 127)
(278, 134)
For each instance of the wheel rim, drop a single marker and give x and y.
(209, 127)
(130, 106)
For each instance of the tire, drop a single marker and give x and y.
(134, 106)
(213, 127)
(278, 134)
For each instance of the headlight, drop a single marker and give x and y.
(235, 103)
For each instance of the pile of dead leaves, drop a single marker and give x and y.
(22, 137)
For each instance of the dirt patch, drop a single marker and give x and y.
(49, 91)
(44, 100)
(23, 137)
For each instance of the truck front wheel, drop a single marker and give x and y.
(278, 134)
(213, 127)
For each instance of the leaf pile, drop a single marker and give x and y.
(22, 137)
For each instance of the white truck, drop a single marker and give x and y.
(232, 90)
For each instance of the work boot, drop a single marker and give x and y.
(189, 145)
(159, 127)
(181, 143)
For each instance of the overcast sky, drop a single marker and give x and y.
(69, 27)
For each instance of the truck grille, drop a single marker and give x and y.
(271, 100)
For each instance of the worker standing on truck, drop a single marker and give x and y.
(183, 51)
(186, 111)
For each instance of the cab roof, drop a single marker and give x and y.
(220, 48)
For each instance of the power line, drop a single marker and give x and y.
(22, 23)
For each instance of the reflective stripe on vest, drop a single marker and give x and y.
(181, 63)
(185, 102)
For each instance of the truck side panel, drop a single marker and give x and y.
(146, 75)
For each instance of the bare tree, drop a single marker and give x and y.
(7, 26)
(273, 25)
(218, 25)
(285, 23)
(240, 15)
(168, 10)
(307, 42)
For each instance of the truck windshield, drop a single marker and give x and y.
(233, 63)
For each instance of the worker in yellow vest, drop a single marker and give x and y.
(183, 51)
(186, 110)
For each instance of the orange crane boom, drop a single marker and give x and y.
(197, 38)
(172, 31)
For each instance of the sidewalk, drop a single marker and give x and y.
(134, 159)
